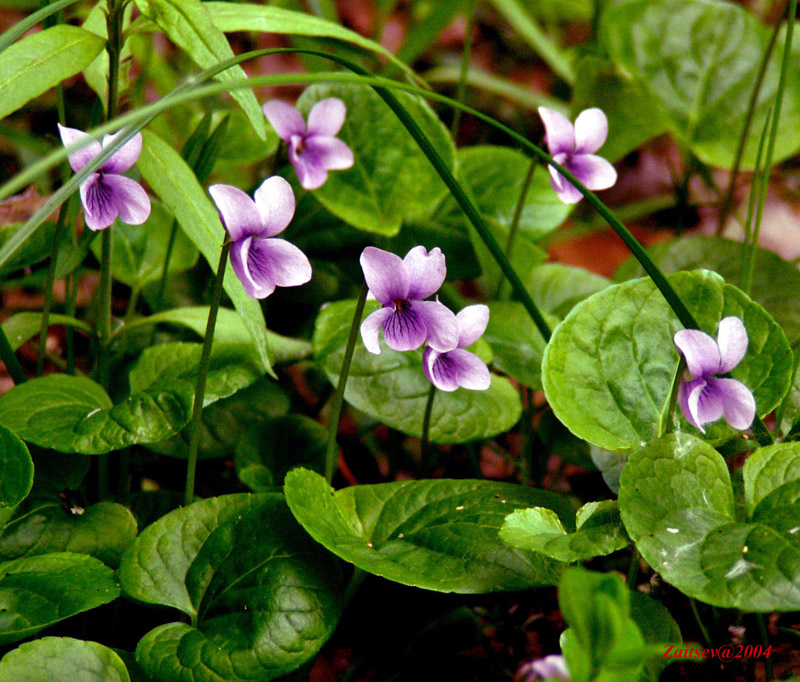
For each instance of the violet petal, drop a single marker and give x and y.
(559, 132)
(440, 370)
(591, 131)
(594, 172)
(552, 667)
(426, 271)
(700, 350)
(566, 192)
(237, 211)
(78, 159)
(406, 328)
(440, 322)
(732, 343)
(284, 118)
(275, 202)
(472, 322)
(472, 372)
(370, 329)
(131, 200)
(281, 261)
(684, 391)
(99, 203)
(738, 403)
(705, 403)
(385, 274)
(311, 173)
(326, 117)
(254, 279)
(328, 152)
(124, 158)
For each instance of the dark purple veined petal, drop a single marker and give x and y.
(385, 274)
(559, 132)
(326, 117)
(426, 271)
(327, 152)
(99, 203)
(237, 210)
(132, 202)
(592, 171)
(732, 343)
(370, 329)
(700, 350)
(439, 370)
(705, 403)
(124, 158)
(284, 118)
(440, 322)
(472, 322)
(279, 261)
(78, 159)
(738, 403)
(684, 391)
(310, 172)
(591, 131)
(406, 328)
(274, 200)
(255, 281)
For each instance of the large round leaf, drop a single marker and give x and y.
(262, 596)
(391, 180)
(609, 367)
(38, 591)
(439, 535)
(392, 388)
(696, 56)
(16, 469)
(62, 658)
(677, 504)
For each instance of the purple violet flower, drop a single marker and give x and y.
(261, 263)
(315, 150)
(705, 398)
(552, 667)
(400, 285)
(106, 194)
(458, 367)
(573, 147)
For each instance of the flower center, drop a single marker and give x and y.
(400, 304)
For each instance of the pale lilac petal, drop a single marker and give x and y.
(78, 159)
(705, 403)
(684, 391)
(310, 173)
(439, 370)
(732, 342)
(328, 152)
(407, 327)
(426, 271)
(284, 118)
(280, 261)
(700, 350)
(370, 329)
(738, 403)
(594, 172)
(559, 132)
(256, 282)
(472, 371)
(326, 117)
(99, 203)
(550, 667)
(472, 322)
(237, 211)
(124, 158)
(591, 131)
(275, 203)
(385, 274)
(133, 204)
(566, 192)
(440, 322)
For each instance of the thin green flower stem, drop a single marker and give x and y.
(332, 450)
(528, 468)
(202, 374)
(512, 230)
(633, 570)
(703, 630)
(762, 631)
(130, 311)
(22, 27)
(104, 309)
(727, 201)
(426, 432)
(48, 291)
(114, 49)
(748, 250)
(352, 586)
(466, 56)
(668, 426)
(10, 359)
(162, 283)
(72, 302)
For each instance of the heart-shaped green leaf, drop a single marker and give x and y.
(677, 504)
(439, 534)
(391, 181)
(262, 596)
(392, 388)
(22, 327)
(558, 288)
(609, 367)
(38, 591)
(16, 469)
(63, 658)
